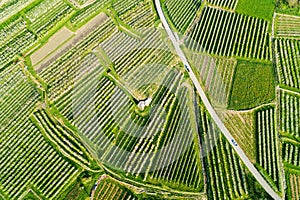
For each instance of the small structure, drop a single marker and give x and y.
(144, 103)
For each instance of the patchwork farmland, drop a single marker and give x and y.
(149, 99)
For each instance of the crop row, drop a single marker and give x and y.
(216, 74)
(268, 152)
(88, 75)
(83, 15)
(28, 157)
(143, 130)
(287, 25)
(55, 10)
(231, 4)
(138, 62)
(291, 154)
(108, 189)
(227, 178)
(11, 29)
(150, 46)
(25, 156)
(185, 169)
(61, 137)
(17, 96)
(241, 126)
(293, 184)
(288, 61)
(230, 34)
(61, 74)
(182, 13)
(12, 7)
(14, 40)
(289, 112)
(141, 16)
(123, 6)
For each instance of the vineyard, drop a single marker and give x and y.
(247, 36)
(146, 16)
(85, 14)
(289, 112)
(26, 156)
(95, 103)
(15, 39)
(61, 77)
(56, 11)
(229, 4)
(241, 125)
(182, 13)
(110, 189)
(216, 74)
(287, 62)
(287, 25)
(227, 177)
(293, 182)
(267, 139)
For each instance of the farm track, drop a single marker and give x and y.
(210, 109)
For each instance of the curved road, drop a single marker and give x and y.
(210, 109)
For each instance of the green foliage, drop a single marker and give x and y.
(257, 8)
(82, 186)
(254, 84)
(284, 7)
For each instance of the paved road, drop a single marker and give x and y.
(211, 110)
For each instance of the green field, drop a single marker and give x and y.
(257, 8)
(254, 84)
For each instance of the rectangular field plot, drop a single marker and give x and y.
(268, 144)
(225, 169)
(287, 56)
(27, 158)
(182, 13)
(141, 16)
(230, 34)
(54, 42)
(15, 39)
(62, 70)
(11, 7)
(229, 4)
(287, 25)
(217, 75)
(293, 184)
(46, 15)
(241, 125)
(289, 112)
